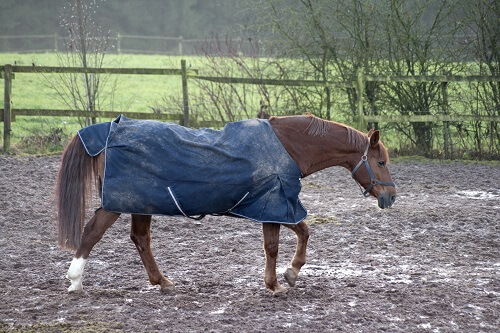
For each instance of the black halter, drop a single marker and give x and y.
(373, 180)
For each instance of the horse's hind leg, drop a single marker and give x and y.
(92, 233)
(141, 236)
(302, 232)
(271, 233)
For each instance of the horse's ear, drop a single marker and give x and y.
(374, 137)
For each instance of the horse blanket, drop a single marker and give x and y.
(158, 168)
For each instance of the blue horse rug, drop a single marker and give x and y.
(158, 168)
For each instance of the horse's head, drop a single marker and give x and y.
(372, 172)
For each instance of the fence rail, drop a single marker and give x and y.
(428, 118)
(430, 78)
(91, 114)
(132, 71)
(273, 82)
(8, 115)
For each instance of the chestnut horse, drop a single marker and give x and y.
(314, 144)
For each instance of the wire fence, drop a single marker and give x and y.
(122, 43)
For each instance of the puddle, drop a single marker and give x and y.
(399, 274)
(219, 311)
(148, 289)
(480, 195)
(336, 272)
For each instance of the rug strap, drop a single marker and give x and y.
(180, 208)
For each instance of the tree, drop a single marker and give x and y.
(481, 23)
(86, 46)
(329, 39)
(413, 47)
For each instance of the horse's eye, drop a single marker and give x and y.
(381, 164)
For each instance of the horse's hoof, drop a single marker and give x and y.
(75, 288)
(291, 276)
(167, 288)
(279, 291)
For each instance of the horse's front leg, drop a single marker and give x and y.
(302, 232)
(271, 233)
(92, 233)
(141, 236)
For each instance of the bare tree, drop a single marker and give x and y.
(481, 29)
(412, 47)
(221, 100)
(330, 40)
(86, 45)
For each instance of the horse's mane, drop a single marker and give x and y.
(317, 126)
(320, 127)
(356, 138)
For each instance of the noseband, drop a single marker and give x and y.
(373, 180)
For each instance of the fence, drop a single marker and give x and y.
(7, 114)
(123, 44)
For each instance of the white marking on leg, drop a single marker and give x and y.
(75, 272)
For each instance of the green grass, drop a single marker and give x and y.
(137, 93)
(132, 93)
(142, 93)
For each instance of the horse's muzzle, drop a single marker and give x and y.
(386, 200)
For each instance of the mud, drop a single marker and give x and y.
(429, 264)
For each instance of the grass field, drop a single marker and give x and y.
(144, 93)
(134, 92)
(137, 93)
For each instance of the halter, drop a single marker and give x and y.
(373, 180)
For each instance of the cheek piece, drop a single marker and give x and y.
(373, 180)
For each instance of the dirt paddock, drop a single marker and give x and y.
(429, 264)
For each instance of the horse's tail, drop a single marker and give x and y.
(77, 172)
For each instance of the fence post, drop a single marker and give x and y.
(118, 43)
(180, 45)
(185, 104)
(56, 42)
(446, 129)
(7, 77)
(360, 86)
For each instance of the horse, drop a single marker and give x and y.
(310, 143)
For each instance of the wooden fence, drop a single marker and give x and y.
(7, 114)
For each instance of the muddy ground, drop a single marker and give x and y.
(430, 264)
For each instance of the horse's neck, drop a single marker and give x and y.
(313, 153)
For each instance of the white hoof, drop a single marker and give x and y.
(76, 287)
(75, 272)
